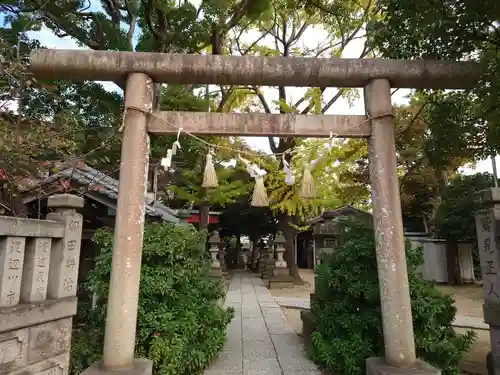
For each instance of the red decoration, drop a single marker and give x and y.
(195, 218)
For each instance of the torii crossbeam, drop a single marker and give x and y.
(139, 70)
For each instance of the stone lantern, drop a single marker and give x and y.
(280, 242)
(267, 260)
(262, 256)
(280, 274)
(215, 243)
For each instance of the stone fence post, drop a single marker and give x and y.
(66, 252)
(488, 241)
(38, 283)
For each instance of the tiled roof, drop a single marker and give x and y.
(108, 186)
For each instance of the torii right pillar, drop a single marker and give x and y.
(399, 342)
(488, 244)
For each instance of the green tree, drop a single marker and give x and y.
(456, 30)
(279, 32)
(455, 217)
(347, 310)
(181, 325)
(428, 154)
(158, 26)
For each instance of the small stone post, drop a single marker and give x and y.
(280, 273)
(268, 260)
(488, 241)
(395, 301)
(63, 281)
(263, 256)
(222, 256)
(245, 249)
(214, 243)
(12, 251)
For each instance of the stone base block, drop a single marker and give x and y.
(308, 326)
(377, 366)
(216, 272)
(25, 315)
(142, 366)
(58, 365)
(281, 272)
(491, 313)
(277, 282)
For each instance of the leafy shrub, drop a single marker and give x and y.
(181, 325)
(347, 310)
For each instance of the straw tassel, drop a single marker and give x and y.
(308, 186)
(259, 197)
(209, 175)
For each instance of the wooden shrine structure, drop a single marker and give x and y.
(137, 72)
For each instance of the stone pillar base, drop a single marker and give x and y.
(142, 366)
(216, 272)
(281, 272)
(281, 279)
(377, 366)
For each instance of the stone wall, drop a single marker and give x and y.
(38, 281)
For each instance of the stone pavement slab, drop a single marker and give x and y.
(259, 339)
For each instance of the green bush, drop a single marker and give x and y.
(181, 325)
(347, 309)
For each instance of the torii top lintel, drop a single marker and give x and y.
(251, 70)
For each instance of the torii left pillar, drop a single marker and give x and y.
(123, 298)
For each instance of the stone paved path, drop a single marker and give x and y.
(259, 339)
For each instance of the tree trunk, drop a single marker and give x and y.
(452, 263)
(204, 207)
(203, 211)
(494, 166)
(290, 249)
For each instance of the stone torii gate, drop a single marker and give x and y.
(141, 70)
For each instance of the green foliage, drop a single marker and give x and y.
(181, 326)
(433, 29)
(242, 219)
(453, 30)
(347, 309)
(455, 215)
(432, 141)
